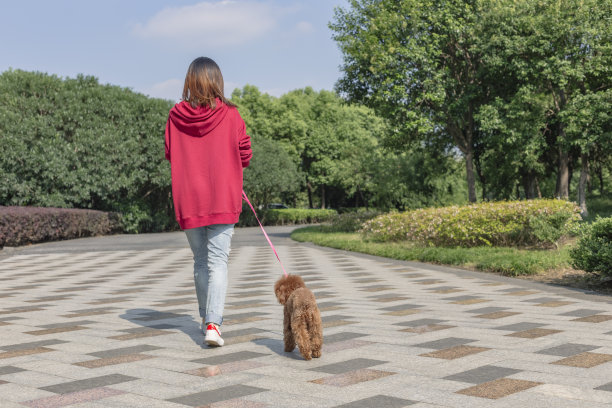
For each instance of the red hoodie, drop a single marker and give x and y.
(207, 149)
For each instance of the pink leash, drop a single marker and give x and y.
(264, 231)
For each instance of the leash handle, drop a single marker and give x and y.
(264, 231)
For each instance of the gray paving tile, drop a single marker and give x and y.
(31, 345)
(582, 312)
(342, 336)
(378, 401)
(567, 350)
(482, 374)
(519, 326)
(484, 310)
(242, 332)
(419, 322)
(444, 343)
(87, 384)
(217, 395)
(605, 387)
(10, 370)
(542, 300)
(123, 351)
(228, 358)
(66, 324)
(348, 365)
(401, 307)
(333, 318)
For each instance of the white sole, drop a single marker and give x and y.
(214, 340)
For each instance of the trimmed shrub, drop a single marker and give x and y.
(29, 225)
(593, 253)
(352, 221)
(507, 223)
(285, 216)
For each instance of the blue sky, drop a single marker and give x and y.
(147, 45)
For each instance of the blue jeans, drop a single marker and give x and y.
(211, 247)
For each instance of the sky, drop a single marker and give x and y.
(147, 45)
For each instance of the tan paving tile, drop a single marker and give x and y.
(533, 333)
(455, 352)
(352, 377)
(26, 352)
(498, 388)
(585, 360)
(496, 315)
(521, 293)
(470, 301)
(102, 362)
(594, 319)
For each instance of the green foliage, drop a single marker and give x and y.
(510, 223)
(77, 143)
(285, 216)
(271, 172)
(593, 253)
(352, 221)
(506, 261)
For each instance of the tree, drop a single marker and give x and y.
(270, 173)
(413, 62)
(551, 57)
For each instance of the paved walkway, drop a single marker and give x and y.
(112, 322)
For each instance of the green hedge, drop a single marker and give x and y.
(286, 216)
(29, 225)
(593, 253)
(76, 143)
(508, 223)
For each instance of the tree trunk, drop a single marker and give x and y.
(469, 167)
(584, 172)
(562, 189)
(323, 197)
(309, 188)
(538, 188)
(529, 184)
(600, 177)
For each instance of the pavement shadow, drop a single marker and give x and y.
(163, 320)
(278, 346)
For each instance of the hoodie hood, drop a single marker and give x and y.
(198, 121)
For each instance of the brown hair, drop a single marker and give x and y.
(204, 84)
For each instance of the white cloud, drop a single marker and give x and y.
(211, 24)
(171, 89)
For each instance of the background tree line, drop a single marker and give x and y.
(521, 88)
(75, 143)
(439, 102)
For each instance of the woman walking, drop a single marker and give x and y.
(207, 146)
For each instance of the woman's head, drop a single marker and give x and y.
(204, 84)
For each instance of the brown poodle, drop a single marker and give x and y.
(302, 321)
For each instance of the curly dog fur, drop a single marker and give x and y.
(302, 321)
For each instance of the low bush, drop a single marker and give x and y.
(352, 221)
(28, 225)
(510, 223)
(285, 216)
(593, 253)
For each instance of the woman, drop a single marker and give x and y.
(207, 146)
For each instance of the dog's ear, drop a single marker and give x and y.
(280, 291)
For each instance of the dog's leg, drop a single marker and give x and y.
(288, 333)
(302, 337)
(316, 333)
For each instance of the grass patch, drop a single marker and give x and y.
(505, 261)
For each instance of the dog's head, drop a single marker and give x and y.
(285, 286)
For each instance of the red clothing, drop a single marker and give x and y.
(207, 149)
